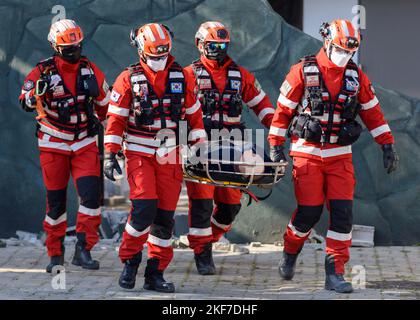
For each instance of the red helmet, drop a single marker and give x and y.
(341, 33)
(212, 40)
(65, 33)
(152, 39)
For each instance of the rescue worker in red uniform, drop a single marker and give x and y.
(147, 97)
(221, 86)
(75, 101)
(320, 99)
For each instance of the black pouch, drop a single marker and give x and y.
(63, 110)
(350, 108)
(90, 86)
(235, 105)
(176, 109)
(305, 127)
(349, 133)
(317, 105)
(144, 115)
(209, 102)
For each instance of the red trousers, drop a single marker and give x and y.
(317, 182)
(206, 225)
(154, 194)
(84, 168)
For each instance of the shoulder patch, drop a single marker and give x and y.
(285, 88)
(105, 86)
(257, 85)
(115, 96)
(28, 85)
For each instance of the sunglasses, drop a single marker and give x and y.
(217, 45)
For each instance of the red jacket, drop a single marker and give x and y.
(251, 92)
(57, 137)
(121, 117)
(291, 94)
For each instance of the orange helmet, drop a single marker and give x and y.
(341, 33)
(211, 31)
(65, 33)
(152, 39)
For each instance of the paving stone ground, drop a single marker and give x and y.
(391, 273)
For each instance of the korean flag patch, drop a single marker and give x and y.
(176, 87)
(28, 85)
(115, 96)
(235, 84)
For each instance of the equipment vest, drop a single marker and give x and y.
(219, 110)
(149, 113)
(68, 116)
(331, 115)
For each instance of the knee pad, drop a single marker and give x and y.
(56, 203)
(341, 212)
(306, 217)
(226, 213)
(89, 191)
(143, 213)
(163, 224)
(200, 212)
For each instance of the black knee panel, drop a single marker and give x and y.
(56, 203)
(163, 224)
(143, 213)
(306, 217)
(226, 213)
(89, 191)
(201, 210)
(341, 212)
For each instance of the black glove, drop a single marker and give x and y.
(277, 154)
(111, 164)
(391, 158)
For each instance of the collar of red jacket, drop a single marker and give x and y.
(325, 62)
(214, 65)
(65, 66)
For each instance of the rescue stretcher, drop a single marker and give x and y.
(246, 166)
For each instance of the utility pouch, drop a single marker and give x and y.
(63, 110)
(235, 105)
(90, 86)
(209, 102)
(144, 114)
(349, 133)
(306, 127)
(316, 103)
(350, 108)
(176, 109)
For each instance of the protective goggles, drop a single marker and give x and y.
(213, 46)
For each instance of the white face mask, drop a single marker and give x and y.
(157, 65)
(340, 57)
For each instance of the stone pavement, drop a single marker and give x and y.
(391, 273)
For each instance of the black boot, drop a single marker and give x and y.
(82, 256)
(153, 278)
(128, 275)
(334, 281)
(204, 261)
(56, 260)
(287, 265)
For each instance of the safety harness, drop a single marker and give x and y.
(68, 116)
(321, 120)
(219, 110)
(147, 107)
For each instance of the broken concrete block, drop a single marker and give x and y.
(362, 236)
(314, 237)
(13, 242)
(183, 242)
(255, 244)
(238, 248)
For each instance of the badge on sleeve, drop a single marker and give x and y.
(285, 88)
(115, 96)
(28, 85)
(105, 86)
(176, 87)
(235, 84)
